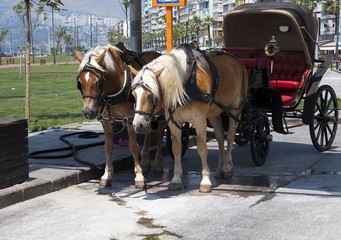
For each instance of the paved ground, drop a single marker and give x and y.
(46, 175)
(295, 195)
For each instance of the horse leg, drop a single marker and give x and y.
(158, 167)
(134, 149)
(228, 164)
(201, 129)
(219, 135)
(145, 162)
(176, 182)
(109, 146)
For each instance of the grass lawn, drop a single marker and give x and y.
(55, 100)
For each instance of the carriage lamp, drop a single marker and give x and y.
(270, 50)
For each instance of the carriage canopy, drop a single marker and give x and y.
(253, 25)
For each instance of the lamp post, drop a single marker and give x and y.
(337, 21)
(95, 18)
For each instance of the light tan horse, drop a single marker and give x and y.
(104, 81)
(161, 84)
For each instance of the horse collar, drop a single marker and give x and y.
(123, 93)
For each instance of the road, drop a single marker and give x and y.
(296, 194)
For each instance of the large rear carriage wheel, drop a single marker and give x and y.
(260, 138)
(325, 118)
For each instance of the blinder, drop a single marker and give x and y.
(99, 83)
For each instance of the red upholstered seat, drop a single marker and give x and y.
(289, 75)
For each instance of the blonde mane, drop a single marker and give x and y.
(92, 54)
(172, 79)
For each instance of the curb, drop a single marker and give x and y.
(59, 179)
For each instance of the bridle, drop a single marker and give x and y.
(152, 99)
(106, 100)
(101, 78)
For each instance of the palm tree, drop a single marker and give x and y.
(207, 23)
(197, 23)
(329, 6)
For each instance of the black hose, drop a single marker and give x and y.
(72, 148)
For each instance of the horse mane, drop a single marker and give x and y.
(93, 53)
(173, 76)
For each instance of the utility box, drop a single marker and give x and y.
(13, 152)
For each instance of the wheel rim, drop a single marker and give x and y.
(259, 140)
(325, 119)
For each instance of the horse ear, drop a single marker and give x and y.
(117, 57)
(158, 72)
(133, 70)
(100, 58)
(115, 54)
(78, 55)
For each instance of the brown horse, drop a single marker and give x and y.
(165, 83)
(104, 81)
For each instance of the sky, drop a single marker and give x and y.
(101, 8)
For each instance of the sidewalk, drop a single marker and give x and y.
(47, 175)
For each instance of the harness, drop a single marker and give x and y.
(105, 101)
(193, 92)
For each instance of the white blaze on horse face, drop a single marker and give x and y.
(87, 76)
(139, 92)
(140, 122)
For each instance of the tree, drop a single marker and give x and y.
(207, 23)
(40, 16)
(115, 36)
(328, 6)
(3, 33)
(59, 37)
(25, 9)
(197, 24)
(179, 32)
(125, 4)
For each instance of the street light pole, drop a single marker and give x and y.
(90, 30)
(337, 21)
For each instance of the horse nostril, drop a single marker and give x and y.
(89, 114)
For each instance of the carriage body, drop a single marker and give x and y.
(276, 42)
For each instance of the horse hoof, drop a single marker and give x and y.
(139, 184)
(146, 168)
(205, 188)
(158, 170)
(105, 183)
(228, 175)
(175, 186)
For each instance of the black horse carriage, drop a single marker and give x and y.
(277, 44)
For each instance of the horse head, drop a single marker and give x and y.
(148, 97)
(91, 80)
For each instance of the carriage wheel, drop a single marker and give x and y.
(325, 118)
(260, 138)
(184, 140)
